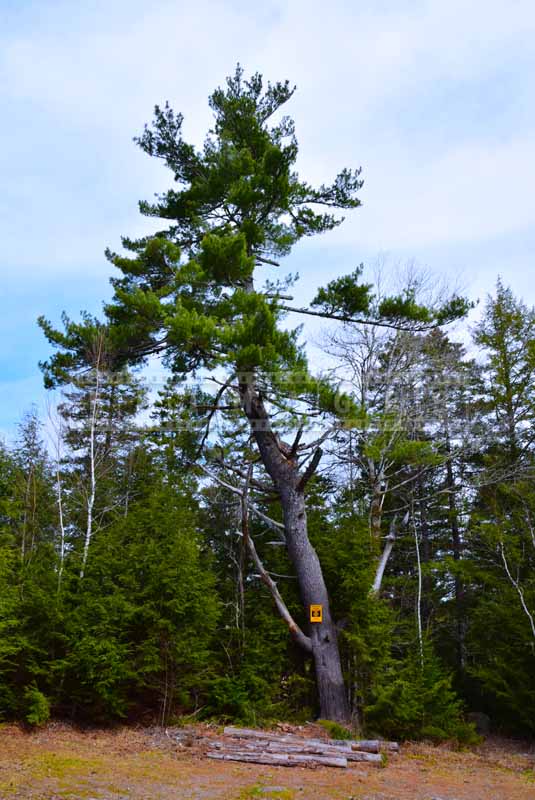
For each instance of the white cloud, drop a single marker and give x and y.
(468, 194)
(111, 68)
(83, 79)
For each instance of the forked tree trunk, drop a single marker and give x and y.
(281, 465)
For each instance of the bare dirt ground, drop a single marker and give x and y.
(60, 762)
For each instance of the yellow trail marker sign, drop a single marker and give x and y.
(316, 613)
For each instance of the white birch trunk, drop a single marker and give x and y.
(61, 524)
(419, 598)
(92, 468)
(57, 426)
(519, 590)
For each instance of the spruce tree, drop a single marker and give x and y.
(502, 618)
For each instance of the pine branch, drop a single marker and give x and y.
(415, 328)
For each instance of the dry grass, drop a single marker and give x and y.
(61, 762)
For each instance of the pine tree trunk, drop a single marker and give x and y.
(286, 476)
(329, 678)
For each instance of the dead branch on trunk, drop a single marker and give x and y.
(278, 527)
(266, 579)
(310, 470)
(383, 561)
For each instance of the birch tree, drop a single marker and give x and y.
(57, 442)
(96, 418)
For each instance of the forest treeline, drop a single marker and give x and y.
(160, 551)
(126, 590)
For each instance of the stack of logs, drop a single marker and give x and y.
(289, 750)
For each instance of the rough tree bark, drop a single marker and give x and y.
(281, 465)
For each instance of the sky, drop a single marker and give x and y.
(434, 100)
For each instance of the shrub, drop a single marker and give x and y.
(418, 702)
(36, 707)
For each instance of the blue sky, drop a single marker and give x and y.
(436, 101)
